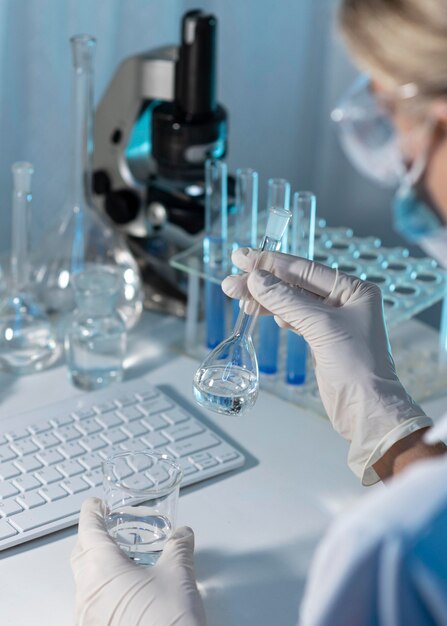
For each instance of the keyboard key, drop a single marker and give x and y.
(157, 475)
(30, 500)
(6, 530)
(155, 422)
(155, 440)
(103, 407)
(49, 475)
(70, 468)
(75, 485)
(14, 435)
(61, 421)
(50, 457)
(89, 426)
(133, 445)
(93, 443)
(90, 461)
(72, 449)
(46, 440)
(28, 463)
(24, 447)
(9, 507)
(187, 467)
(7, 490)
(54, 511)
(130, 414)
(6, 454)
(134, 429)
(39, 428)
(82, 414)
(147, 394)
(94, 478)
(114, 436)
(8, 470)
(53, 493)
(206, 464)
(157, 405)
(187, 447)
(226, 455)
(110, 420)
(68, 433)
(175, 415)
(200, 456)
(27, 482)
(183, 431)
(112, 450)
(125, 400)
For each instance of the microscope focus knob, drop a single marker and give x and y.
(157, 214)
(122, 206)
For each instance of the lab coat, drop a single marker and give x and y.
(385, 563)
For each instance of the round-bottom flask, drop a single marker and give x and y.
(95, 340)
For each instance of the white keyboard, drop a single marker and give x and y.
(50, 459)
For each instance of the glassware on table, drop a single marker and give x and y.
(302, 243)
(269, 336)
(215, 248)
(27, 341)
(95, 339)
(84, 237)
(141, 491)
(228, 379)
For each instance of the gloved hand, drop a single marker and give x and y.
(111, 590)
(341, 318)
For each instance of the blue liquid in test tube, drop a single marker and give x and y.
(268, 346)
(302, 239)
(215, 249)
(245, 217)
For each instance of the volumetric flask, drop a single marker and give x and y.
(141, 492)
(228, 379)
(84, 237)
(27, 341)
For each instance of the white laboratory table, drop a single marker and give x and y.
(256, 528)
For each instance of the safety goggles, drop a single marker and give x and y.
(367, 133)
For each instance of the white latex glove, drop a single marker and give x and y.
(341, 318)
(111, 590)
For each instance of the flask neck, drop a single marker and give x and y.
(83, 48)
(20, 240)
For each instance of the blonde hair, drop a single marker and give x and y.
(399, 41)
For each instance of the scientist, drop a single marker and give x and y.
(384, 563)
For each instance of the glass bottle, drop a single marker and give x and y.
(27, 342)
(95, 340)
(84, 237)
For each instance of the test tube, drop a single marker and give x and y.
(245, 216)
(215, 248)
(278, 196)
(302, 240)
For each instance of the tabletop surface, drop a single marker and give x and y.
(256, 528)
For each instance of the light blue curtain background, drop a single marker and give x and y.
(281, 69)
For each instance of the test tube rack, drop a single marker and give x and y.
(409, 286)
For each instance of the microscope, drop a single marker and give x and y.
(155, 126)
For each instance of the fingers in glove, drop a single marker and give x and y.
(296, 307)
(179, 547)
(315, 278)
(235, 286)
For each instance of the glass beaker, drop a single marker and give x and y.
(141, 492)
(27, 341)
(95, 340)
(84, 237)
